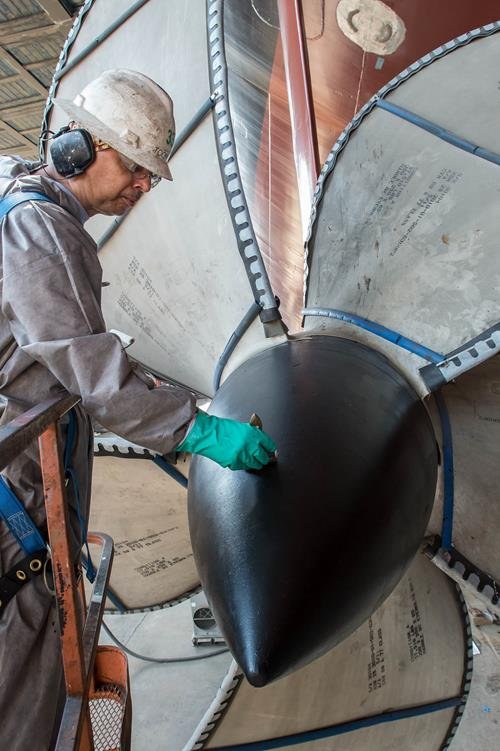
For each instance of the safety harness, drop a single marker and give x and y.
(12, 511)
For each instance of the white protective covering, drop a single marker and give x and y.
(144, 511)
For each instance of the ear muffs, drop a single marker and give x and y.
(72, 151)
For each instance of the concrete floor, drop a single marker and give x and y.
(480, 726)
(169, 700)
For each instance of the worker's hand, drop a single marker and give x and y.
(233, 444)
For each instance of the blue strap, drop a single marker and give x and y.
(18, 521)
(341, 728)
(14, 199)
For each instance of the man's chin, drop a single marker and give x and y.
(117, 209)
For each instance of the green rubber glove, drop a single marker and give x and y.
(233, 444)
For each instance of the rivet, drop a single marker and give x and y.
(35, 564)
(21, 575)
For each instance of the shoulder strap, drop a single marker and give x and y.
(14, 199)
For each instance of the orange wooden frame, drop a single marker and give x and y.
(79, 626)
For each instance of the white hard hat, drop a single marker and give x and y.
(131, 113)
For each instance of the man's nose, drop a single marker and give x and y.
(143, 182)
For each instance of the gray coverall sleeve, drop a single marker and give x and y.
(51, 274)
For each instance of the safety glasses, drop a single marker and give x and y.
(139, 171)
(136, 169)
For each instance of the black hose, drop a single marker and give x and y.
(235, 337)
(160, 659)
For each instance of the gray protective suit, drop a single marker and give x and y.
(53, 337)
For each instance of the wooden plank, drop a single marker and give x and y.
(64, 581)
(33, 82)
(10, 79)
(22, 37)
(54, 10)
(70, 632)
(23, 23)
(42, 64)
(13, 132)
(46, 67)
(24, 151)
(23, 106)
(35, 132)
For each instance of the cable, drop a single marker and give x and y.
(159, 659)
(234, 339)
(376, 328)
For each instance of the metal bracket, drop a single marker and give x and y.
(471, 354)
(466, 574)
(205, 629)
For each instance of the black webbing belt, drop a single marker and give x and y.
(23, 572)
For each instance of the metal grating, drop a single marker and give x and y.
(32, 33)
(107, 709)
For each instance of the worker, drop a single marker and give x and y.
(53, 339)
